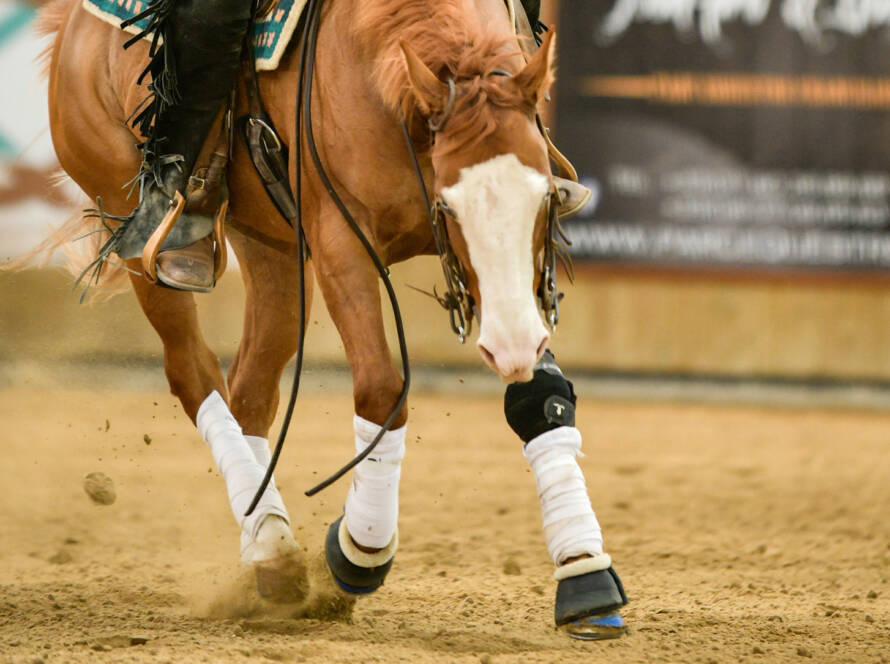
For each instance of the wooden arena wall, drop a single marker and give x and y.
(612, 321)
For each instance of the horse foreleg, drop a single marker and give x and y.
(589, 592)
(361, 544)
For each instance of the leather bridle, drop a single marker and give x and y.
(457, 299)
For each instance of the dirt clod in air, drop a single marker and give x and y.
(100, 488)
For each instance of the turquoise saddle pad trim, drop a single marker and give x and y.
(271, 35)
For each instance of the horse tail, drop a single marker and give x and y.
(81, 236)
(79, 239)
(49, 22)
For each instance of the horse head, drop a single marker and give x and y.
(493, 183)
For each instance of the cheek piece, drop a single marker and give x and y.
(544, 403)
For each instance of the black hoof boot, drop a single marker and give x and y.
(587, 605)
(352, 578)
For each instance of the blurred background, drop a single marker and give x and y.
(736, 245)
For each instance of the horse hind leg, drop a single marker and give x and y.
(195, 377)
(271, 328)
(589, 592)
(99, 152)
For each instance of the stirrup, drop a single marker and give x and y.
(156, 241)
(572, 195)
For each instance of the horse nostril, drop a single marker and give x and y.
(487, 356)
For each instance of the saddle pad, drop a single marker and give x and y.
(271, 34)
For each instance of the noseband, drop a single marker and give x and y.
(457, 300)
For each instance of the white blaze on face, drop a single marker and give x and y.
(496, 204)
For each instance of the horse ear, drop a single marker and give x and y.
(537, 76)
(429, 90)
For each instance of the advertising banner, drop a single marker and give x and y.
(722, 133)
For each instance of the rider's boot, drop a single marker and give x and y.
(192, 75)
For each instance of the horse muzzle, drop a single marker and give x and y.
(512, 353)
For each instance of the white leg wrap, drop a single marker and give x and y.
(372, 505)
(260, 448)
(239, 462)
(570, 526)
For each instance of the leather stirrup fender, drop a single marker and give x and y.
(266, 150)
(529, 46)
(220, 254)
(153, 245)
(523, 29)
(572, 196)
(563, 165)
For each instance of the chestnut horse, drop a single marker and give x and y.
(378, 62)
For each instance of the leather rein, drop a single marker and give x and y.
(457, 300)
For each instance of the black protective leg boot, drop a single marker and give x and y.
(192, 75)
(589, 594)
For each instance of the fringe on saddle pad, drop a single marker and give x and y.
(162, 94)
(162, 90)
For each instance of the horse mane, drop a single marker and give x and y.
(452, 44)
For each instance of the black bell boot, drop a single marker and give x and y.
(544, 403)
(192, 72)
